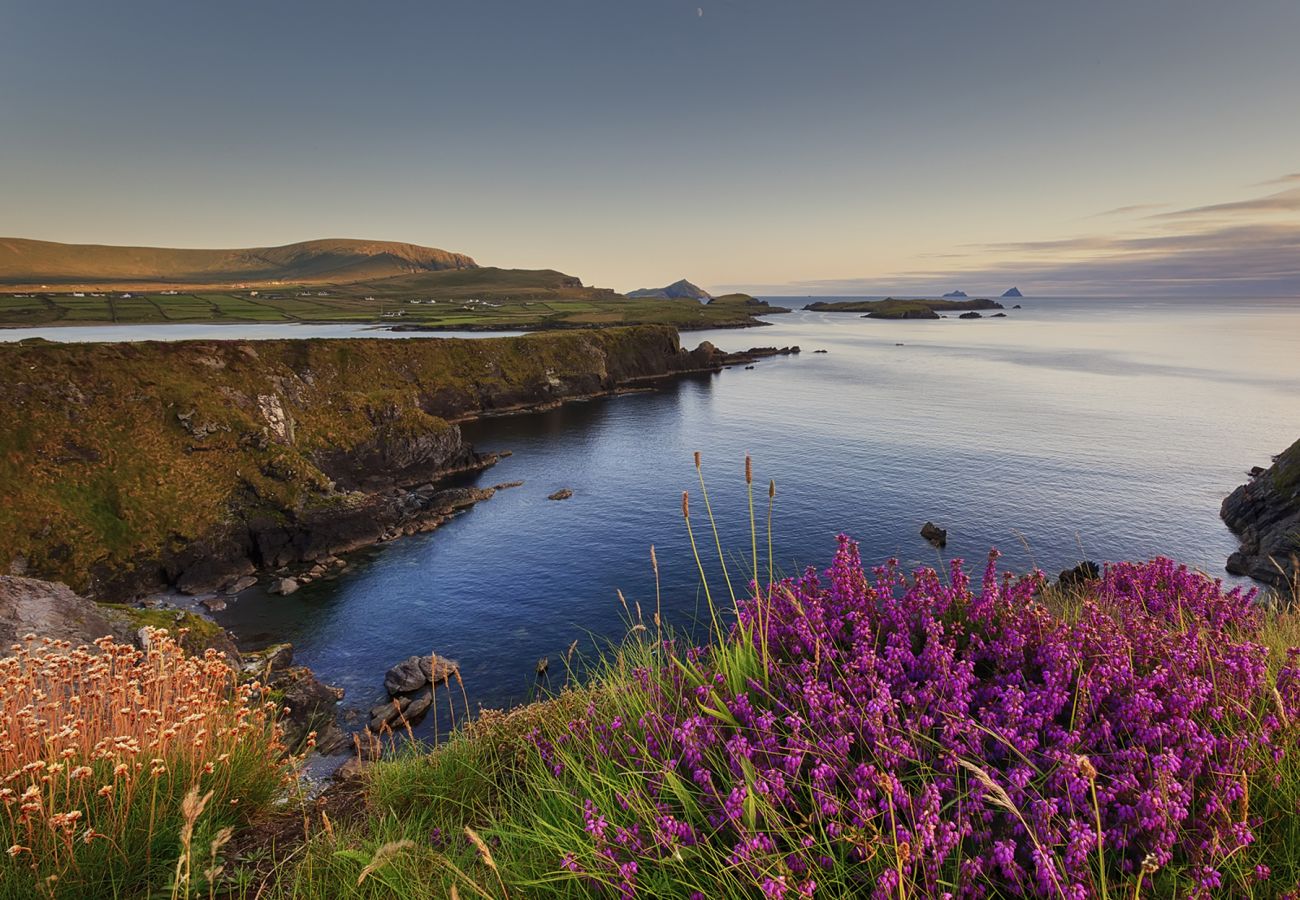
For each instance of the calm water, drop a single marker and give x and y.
(1104, 429)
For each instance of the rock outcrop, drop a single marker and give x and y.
(1012, 292)
(410, 685)
(1265, 514)
(47, 609)
(935, 535)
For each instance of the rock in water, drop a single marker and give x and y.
(1013, 292)
(565, 493)
(408, 675)
(970, 315)
(1081, 574)
(934, 534)
(285, 586)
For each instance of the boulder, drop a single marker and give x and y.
(565, 493)
(285, 586)
(53, 610)
(934, 534)
(240, 584)
(970, 315)
(408, 675)
(1081, 574)
(213, 604)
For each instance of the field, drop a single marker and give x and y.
(482, 298)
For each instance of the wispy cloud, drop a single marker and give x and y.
(1282, 201)
(1239, 249)
(1285, 179)
(1128, 210)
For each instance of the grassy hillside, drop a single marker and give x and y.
(475, 298)
(33, 263)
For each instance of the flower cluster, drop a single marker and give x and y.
(886, 735)
(97, 744)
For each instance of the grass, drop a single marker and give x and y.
(480, 298)
(554, 799)
(121, 767)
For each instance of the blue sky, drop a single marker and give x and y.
(788, 147)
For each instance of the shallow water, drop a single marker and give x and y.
(1099, 429)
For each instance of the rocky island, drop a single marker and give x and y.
(892, 308)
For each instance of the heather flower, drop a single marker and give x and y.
(918, 732)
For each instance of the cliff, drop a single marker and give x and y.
(128, 467)
(1265, 513)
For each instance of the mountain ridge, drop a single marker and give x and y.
(24, 261)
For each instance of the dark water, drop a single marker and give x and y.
(1105, 429)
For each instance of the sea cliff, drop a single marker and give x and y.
(131, 467)
(1265, 514)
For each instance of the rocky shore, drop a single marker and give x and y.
(192, 465)
(1265, 514)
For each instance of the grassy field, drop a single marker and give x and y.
(481, 298)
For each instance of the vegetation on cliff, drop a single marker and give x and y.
(848, 733)
(127, 466)
(124, 772)
(876, 734)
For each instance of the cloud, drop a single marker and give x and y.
(1261, 260)
(1285, 179)
(1238, 249)
(1282, 201)
(1128, 210)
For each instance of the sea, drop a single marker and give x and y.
(1071, 429)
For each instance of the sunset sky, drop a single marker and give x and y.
(782, 147)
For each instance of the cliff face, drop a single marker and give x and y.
(127, 467)
(1266, 515)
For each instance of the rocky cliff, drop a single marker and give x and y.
(1266, 515)
(128, 467)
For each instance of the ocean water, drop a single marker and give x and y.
(1101, 429)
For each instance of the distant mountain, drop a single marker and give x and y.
(678, 290)
(955, 295)
(1014, 292)
(28, 262)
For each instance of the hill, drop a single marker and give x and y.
(678, 290)
(32, 263)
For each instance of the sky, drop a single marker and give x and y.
(797, 147)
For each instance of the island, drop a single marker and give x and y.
(892, 308)
(1013, 292)
(956, 295)
(678, 290)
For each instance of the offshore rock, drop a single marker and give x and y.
(1081, 574)
(935, 535)
(1265, 514)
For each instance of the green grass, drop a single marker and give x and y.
(482, 298)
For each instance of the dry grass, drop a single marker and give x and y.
(100, 749)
